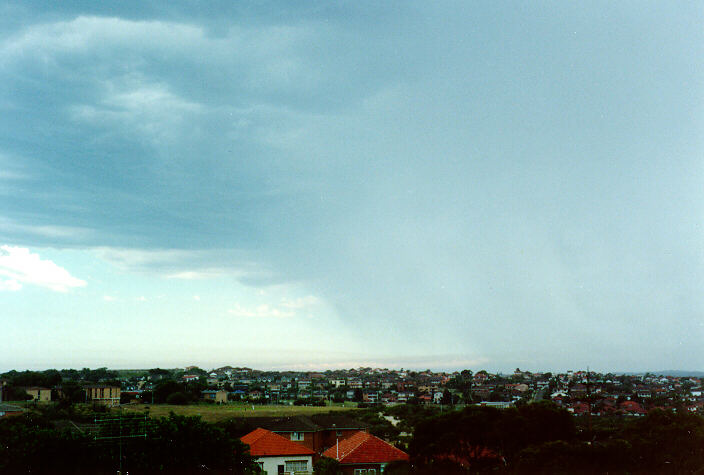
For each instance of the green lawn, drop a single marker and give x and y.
(215, 413)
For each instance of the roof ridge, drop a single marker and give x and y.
(258, 433)
(364, 437)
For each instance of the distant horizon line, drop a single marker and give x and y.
(681, 372)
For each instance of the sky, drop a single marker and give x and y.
(323, 185)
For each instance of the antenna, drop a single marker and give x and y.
(111, 428)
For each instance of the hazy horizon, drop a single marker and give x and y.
(284, 183)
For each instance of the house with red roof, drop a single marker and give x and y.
(632, 408)
(278, 455)
(365, 454)
(578, 408)
(318, 432)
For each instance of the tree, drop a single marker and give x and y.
(159, 373)
(179, 398)
(327, 466)
(166, 388)
(185, 444)
(30, 444)
(484, 436)
(399, 467)
(338, 396)
(71, 392)
(12, 393)
(664, 441)
(446, 397)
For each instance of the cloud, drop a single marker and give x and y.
(151, 110)
(196, 298)
(11, 285)
(260, 311)
(24, 267)
(185, 264)
(301, 302)
(51, 231)
(109, 298)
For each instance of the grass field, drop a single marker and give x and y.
(215, 413)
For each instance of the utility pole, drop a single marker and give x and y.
(589, 404)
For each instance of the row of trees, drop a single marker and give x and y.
(543, 438)
(176, 444)
(54, 377)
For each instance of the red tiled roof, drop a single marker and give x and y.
(263, 443)
(363, 447)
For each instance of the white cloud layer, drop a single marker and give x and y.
(20, 266)
(260, 311)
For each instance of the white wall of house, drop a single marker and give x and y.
(271, 464)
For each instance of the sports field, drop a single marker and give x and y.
(215, 413)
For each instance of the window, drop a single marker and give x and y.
(296, 435)
(296, 465)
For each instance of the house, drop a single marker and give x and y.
(278, 455)
(497, 404)
(403, 396)
(578, 390)
(365, 454)
(632, 408)
(6, 410)
(103, 394)
(255, 394)
(317, 432)
(371, 397)
(425, 398)
(219, 396)
(578, 408)
(38, 394)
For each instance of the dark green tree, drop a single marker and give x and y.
(327, 466)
